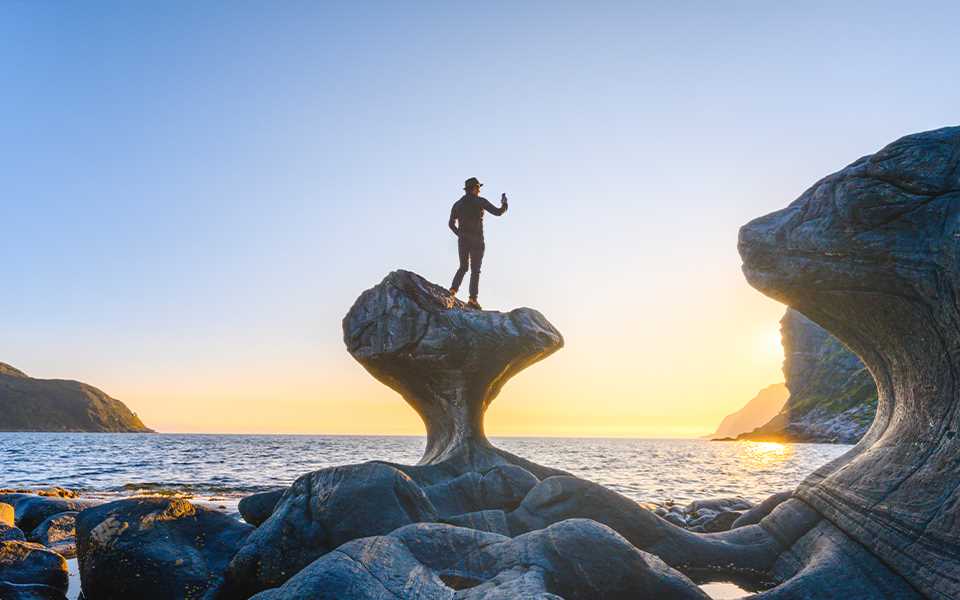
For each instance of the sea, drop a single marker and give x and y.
(218, 470)
(225, 468)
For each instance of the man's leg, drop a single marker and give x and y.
(476, 261)
(464, 250)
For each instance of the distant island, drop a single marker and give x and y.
(28, 404)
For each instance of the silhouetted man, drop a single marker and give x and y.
(466, 221)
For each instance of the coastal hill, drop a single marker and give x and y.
(28, 404)
(833, 397)
(763, 407)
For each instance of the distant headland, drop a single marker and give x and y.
(30, 404)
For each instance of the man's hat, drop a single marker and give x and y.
(473, 181)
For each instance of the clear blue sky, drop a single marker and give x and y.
(193, 194)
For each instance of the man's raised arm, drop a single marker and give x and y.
(494, 210)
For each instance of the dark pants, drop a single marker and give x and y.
(471, 254)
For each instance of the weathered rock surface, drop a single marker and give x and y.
(578, 559)
(833, 397)
(25, 563)
(321, 511)
(154, 548)
(871, 254)
(58, 533)
(448, 361)
(59, 405)
(257, 508)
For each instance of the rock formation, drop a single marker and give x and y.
(833, 397)
(448, 361)
(871, 254)
(755, 413)
(30, 404)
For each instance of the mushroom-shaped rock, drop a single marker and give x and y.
(872, 254)
(447, 360)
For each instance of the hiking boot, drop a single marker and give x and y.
(474, 304)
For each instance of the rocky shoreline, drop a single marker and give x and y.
(869, 253)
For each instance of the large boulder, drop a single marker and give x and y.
(154, 548)
(448, 361)
(576, 559)
(26, 563)
(321, 511)
(871, 254)
(32, 591)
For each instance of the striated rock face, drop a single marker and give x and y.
(833, 397)
(871, 254)
(59, 405)
(447, 361)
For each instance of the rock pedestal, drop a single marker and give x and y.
(448, 361)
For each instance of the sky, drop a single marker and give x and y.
(193, 194)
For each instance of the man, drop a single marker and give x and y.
(466, 222)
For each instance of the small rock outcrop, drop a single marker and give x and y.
(872, 254)
(59, 405)
(833, 397)
(448, 361)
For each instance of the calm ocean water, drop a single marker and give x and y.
(225, 468)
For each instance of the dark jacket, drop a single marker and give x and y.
(466, 216)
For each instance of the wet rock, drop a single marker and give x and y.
(257, 508)
(321, 511)
(58, 533)
(758, 512)
(870, 254)
(154, 548)
(6, 514)
(29, 563)
(32, 509)
(12, 591)
(578, 559)
(448, 361)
